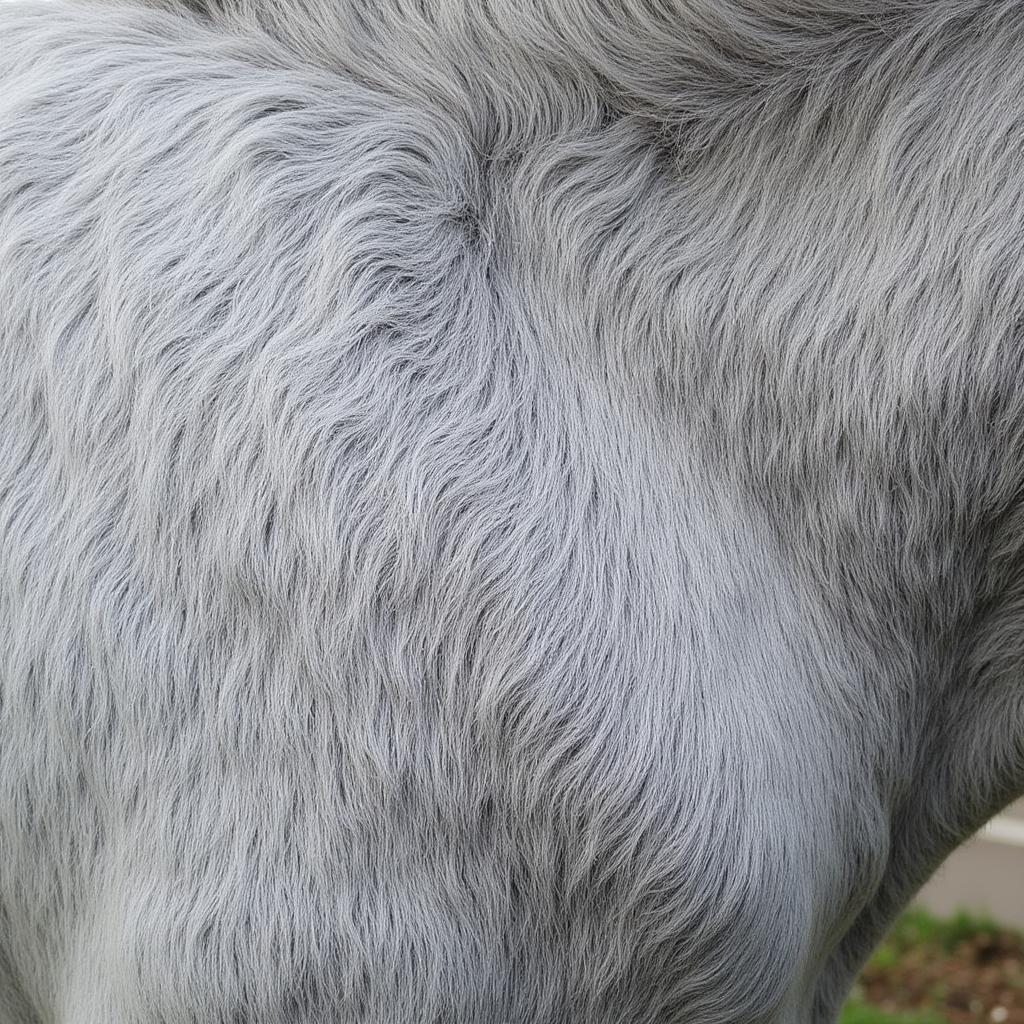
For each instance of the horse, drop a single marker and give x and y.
(510, 510)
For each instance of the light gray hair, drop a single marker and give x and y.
(510, 510)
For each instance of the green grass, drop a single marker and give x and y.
(916, 928)
(856, 1012)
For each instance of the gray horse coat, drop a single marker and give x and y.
(511, 511)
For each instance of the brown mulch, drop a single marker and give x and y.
(981, 980)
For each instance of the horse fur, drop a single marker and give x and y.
(509, 511)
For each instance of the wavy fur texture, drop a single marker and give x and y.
(510, 510)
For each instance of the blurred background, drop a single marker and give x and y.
(957, 956)
(986, 875)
